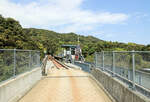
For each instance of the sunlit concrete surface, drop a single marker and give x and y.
(66, 85)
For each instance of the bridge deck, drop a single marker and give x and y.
(66, 85)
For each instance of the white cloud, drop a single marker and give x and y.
(67, 15)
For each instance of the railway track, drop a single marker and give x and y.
(57, 63)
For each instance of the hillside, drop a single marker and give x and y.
(12, 35)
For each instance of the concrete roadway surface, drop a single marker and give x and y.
(66, 85)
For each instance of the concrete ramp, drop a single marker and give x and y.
(66, 85)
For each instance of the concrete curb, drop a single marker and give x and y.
(14, 89)
(118, 90)
(101, 86)
(73, 66)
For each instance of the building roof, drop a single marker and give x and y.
(68, 46)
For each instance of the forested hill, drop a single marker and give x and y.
(12, 35)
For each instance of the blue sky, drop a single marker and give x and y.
(137, 27)
(111, 20)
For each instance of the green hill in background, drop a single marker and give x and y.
(12, 35)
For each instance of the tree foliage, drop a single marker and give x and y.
(12, 35)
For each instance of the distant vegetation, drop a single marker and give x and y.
(12, 35)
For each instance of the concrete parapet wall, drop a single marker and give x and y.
(73, 66)
(12, 90)
(118, 90)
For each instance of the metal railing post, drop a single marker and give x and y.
(133, 69)
(29, 59)
(38, 59)
(89, 70)
(96, 59)
(103, 61)
(14, 70)
(37, 54)
(113, 63)
(140, 79)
